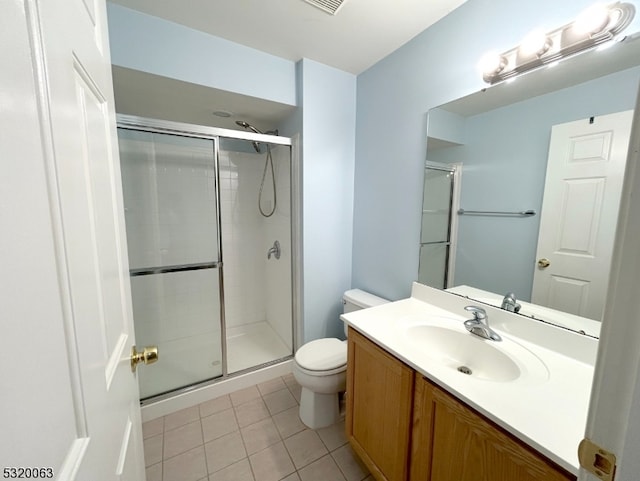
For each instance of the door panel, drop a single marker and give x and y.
(583, 185)
(582, 205)
(87, 418)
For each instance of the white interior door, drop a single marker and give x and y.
(585, 170)
(69, 398)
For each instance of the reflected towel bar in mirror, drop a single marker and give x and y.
(523, 213)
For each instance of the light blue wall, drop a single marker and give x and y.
(504, 165)
(150, 44)
(394, 95)
(328, 152)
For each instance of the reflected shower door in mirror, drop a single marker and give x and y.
(169, 194)
(437, 242)
(502, 137)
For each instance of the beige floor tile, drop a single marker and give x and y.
(180, 418)
(350, 464)
(182, 439)
(288, 422)
(238, 437)
(240, 471)
(272, 463)
(216, 405)
(333, 436)
(153, 427)
(153, 450)
(292, 477)
(296, 391)
(289, 379)
(224, 451)
(271, 386)
(245, 395)
(251, 412)
(279, 401)
(154, 473)
(324, 469)
(260, 435)
(189, 466)
(305, 447)
(219, 424)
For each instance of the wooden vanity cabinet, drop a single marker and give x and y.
(451, 442)
(405, 428)
(379, 408)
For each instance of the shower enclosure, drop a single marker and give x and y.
(211, 274)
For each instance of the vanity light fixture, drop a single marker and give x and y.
(595, 26)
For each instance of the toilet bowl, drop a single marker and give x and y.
(320, 367)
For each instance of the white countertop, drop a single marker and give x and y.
(549, 414)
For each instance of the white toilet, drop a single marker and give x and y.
(320, 367)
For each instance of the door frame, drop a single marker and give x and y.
(614, 411)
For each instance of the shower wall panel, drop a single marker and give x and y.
(242, 239)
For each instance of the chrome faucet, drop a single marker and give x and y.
(479, 325)
(275, 250)
(509, 303)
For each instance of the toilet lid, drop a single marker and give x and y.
(322, 354)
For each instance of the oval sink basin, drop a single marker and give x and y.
(499, 361)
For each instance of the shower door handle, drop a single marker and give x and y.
(148, 355)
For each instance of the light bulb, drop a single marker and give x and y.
(535, 43)
(491, 63)
(592, 20)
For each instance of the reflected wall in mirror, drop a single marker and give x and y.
(501, 137)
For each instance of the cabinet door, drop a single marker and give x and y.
(379, 408)
(454, 443)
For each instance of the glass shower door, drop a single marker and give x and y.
(170, 198)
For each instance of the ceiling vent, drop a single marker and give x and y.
(329, 6)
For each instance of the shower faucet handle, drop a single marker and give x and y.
(275, 250)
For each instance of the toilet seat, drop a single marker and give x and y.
(322, 357)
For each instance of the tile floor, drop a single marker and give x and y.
(254, 434)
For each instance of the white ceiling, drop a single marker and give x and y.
(358, 36)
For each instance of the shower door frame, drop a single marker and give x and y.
(214, 134)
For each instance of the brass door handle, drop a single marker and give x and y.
(544, 263)
(148, 355)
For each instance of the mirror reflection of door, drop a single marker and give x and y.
(585, 170)
(437, 232)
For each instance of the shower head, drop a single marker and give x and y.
(247, 125)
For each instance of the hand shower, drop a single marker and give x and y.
(247, 125)
(268, 162)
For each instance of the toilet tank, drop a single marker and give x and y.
(356, 299)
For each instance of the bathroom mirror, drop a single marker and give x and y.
(501, 136)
